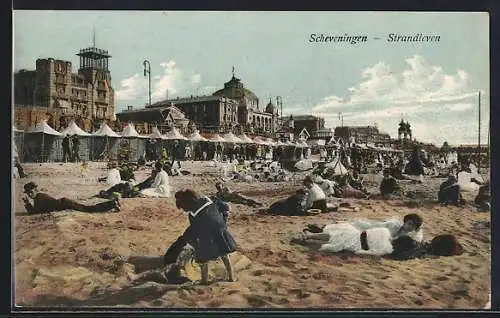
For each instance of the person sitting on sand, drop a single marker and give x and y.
(415, 166)
(411, 226)
(356, 181)
(128, 189)
(483, 198)
(293, 205)
(316, 198)
(449, 192)
(467, 180)
(328, 186)
(389, 186)
(348, 191)
(38, 202)
(207, 232)
(227, 195)
(113, 176)
(160, 187)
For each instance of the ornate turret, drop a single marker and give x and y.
(270, 108)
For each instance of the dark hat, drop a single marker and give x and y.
(446, 245)
(301, 191)
(308, 179)
(29, 186)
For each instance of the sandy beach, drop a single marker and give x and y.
(78, 259)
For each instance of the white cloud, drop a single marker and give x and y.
(130, 88)
(196, 79)
(441, 105)
(171, 79)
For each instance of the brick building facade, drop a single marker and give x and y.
(85, 96)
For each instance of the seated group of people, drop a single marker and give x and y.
(450, 191)
(156, 185)
(392, 238)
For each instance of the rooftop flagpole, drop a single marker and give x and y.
(479, 133)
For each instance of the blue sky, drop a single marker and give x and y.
(433, 85)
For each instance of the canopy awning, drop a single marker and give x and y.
(217, 138)
(230, 137)
(73, 129)
(246, 139)
(129, 131)
(174, 134)
(43, 128)
(156, 134)
(105, 131)
(197, 137)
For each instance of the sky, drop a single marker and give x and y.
(433, 85)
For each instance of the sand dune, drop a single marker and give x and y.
(78, 259)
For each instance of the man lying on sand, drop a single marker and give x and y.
(227, 195)
(38, 202)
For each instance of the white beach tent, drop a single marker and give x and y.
(18, 142)
(217, 138)
(174, 134)
(105, 143)
(43, 128)
(156, 134)
(338, 168)
(85, 146)
(246, 139)
(135, 141)
(105, 131)
(129, 131)
(44, 135)
(230, 137)
(73, 129)
(197, 137)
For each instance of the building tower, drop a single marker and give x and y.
(94, 66)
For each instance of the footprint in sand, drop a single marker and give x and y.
(299, 293)
(258, 272)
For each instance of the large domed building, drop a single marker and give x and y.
(233, 108)
(250, 117)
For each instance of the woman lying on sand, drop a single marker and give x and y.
(378, 242)
(362, 236)
(37, 202)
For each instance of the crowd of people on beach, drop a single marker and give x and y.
(208, 234)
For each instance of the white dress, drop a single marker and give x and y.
(393, 225)
(465, 184)
(113, 177)
(160, 187)
(327, 187)
(315, 193)
(346, 237)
